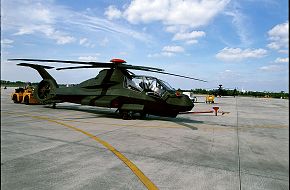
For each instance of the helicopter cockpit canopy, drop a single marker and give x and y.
(148, 84)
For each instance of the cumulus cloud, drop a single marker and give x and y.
(173, 49)
(113, 13)
(168, 51)
(282, 60)
(237, 54)
(189, 37)
(279, 36)
(179, 17)
(192, 13)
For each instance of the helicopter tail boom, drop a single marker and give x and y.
(45, 90)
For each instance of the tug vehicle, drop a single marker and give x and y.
(209, 99)
(24, 95)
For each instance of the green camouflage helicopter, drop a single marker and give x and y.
(114, 87)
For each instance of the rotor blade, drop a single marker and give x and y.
(177, 75)
(82, 67)
(135, 67)
(101, 64)
(62, 61)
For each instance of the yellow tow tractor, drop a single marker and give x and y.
(209, 99)
(24, 95)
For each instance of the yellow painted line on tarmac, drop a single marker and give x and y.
(143, 178)
(124, 125)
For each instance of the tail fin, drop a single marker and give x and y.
(41, 70)
(45, 91)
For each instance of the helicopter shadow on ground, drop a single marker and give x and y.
(186, 122)
(112, 113)
(94, 110)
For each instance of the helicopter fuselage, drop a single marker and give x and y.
(116, 88)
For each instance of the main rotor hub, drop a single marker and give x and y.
(118, 61)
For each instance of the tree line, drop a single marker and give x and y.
(226, 92)
(20, 83)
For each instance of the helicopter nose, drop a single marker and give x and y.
(187, 103)
(181, 103)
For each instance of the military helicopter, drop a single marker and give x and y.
(220, 91)
(114, 87)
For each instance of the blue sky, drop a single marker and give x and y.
(238, 43)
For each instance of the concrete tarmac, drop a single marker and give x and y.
(82, 147)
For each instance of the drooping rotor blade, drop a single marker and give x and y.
(177, 75)
(135, 67)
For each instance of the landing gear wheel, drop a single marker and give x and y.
(143, 115)
(53, 105)
(126, 115)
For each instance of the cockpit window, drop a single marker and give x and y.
(148, 84)
(133, 84)
(167, 85)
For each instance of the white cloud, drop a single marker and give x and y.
(271, 68)
(34, 17)
(237, 54)
(189, 37)
(228, 75)
(284, 51)
(89, 58)
(7, 43)
(241, 22)
(59, 23)
(92, 23)
(47, 30)
(282, 60)
(168, 51)
(173, 49)
(85, 42)
(113, 13)
(279, 36)
(192, 13)
(62, 38)
(146, 11)
(178, 16)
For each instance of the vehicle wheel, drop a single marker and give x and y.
(26, 100)
(15, 98)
